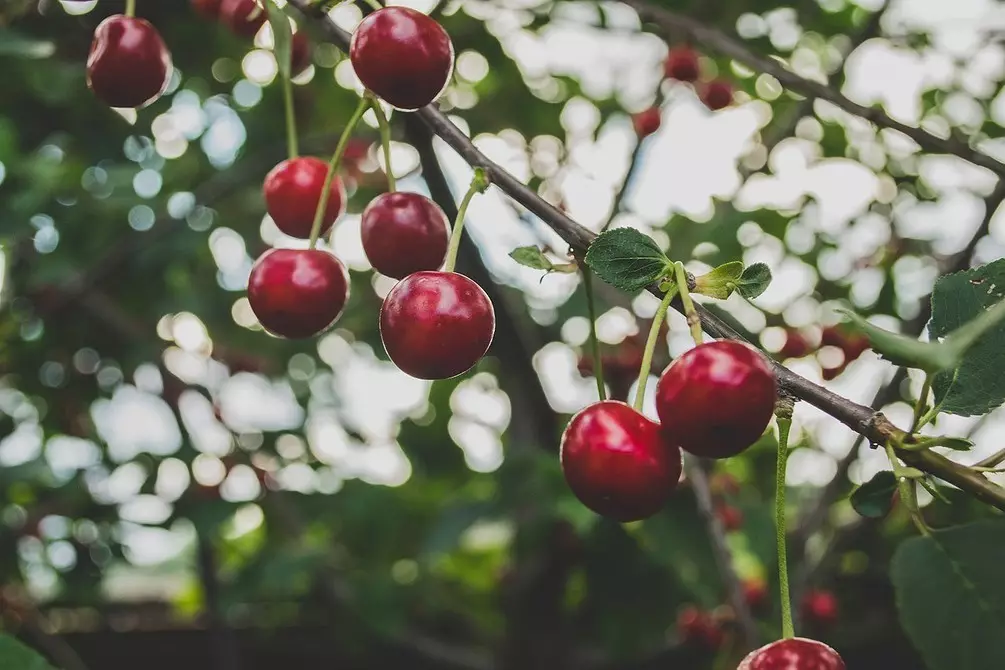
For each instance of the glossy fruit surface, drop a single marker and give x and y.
(292, 191)
(208, 8)
(648, 122)
(682, 64)
(616, 461)
(297, 293)
(403, 56)
(436, 325)
(717, 94)
(716, 399)
(129, 64)
(243, 17)
(798, 653)
(404, 233)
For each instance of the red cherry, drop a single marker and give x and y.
(297, 293)
(616, 461)
(403, 56)
(797, 653)
(717, 94)
(820, 607)
(855, 345)
(830, 374)
(755, 592)
(697, 627)
(129, 64)
(682, 64)
(404, 233)
(796, 345)
(648, 122)
(436, 325)
(243, 17)
(208, 8)
(300, 56)
(831, 336)
(716, 399)
(730, 517)
(292, 191)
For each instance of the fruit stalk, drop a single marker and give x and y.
(385, 141)
(920, 417)
(598, 365)
(291, 120)
(479, 183)
(647, 355)
(343, 141)
(693, 320)
(130, 7)
(783, 416)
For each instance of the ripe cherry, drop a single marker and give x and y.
(648, 122)
(404, 233)
(717, 94)
(716, 399)
(129, 64)
(682, 64)
(730, 517)
(820, 607)
(797, 653)
(292, 191)
(698, 628)
(300, 56)
(297, 293)
(403, 56)
(208, 8)
(796, 345)
(243, 17)
(436, 325)
(616, 461)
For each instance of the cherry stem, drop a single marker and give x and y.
(479, 183)
(376, 5)
(783, 416)
(130, 7)
(385, 141)
(693, 320)
(291, 119)
(343, 141)
(654, 335)
(598, 365)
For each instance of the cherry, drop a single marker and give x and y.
(796, 345)
(730, 517)
(403, 56)
(616, 461)
(243, 17)
(755, 592)
(436, 325)
(297, 293)
(717, 94)
(820, 607)
(292, 191)
(208, 8)
(830, 374)
(797, 653)
(682, 64)
(129, 64)
(300, 58)
(648, 122)
(697, 627)
(404, 233)
(716, 399)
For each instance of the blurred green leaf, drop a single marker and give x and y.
(874, 499)
(16, 656)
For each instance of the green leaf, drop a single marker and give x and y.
(902, 350)
(627, 259)
(754, 280)
(534, 258)
(977, 385)
(951, 596)
(874, 499)
(720, 282)
(21, 46)
(282, 36)
(949, 442)
(13, 654)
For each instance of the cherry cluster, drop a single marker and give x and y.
(245, 18)
(799, 344)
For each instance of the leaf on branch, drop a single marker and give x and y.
(954, 443)
(900, 349)
(534, 258)
(754, 280)
(627, 259)
(282, 37)
(951, 597)
(720, 282)
(874, 499)
(13, 654)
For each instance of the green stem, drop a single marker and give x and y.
(333, 164)
(908, 491)
(919, 406)
(693, 321)
(479, 183)
(598, 365)
(385, 141)
(647, 356)
(130, 7)
(784, 424)
(291, 119)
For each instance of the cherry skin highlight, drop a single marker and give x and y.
(243, 17)
(716, 399)
(682, 64)
(292, 191)
(798, 653)
(404, 233)
(648, 122)
(617, 463)
(129, 64)
(403, 56)
(717, 95)
(436, 325)
(298, 293)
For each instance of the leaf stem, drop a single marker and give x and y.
(919, 406)
(693, 320)
(598, 365)
(291, 118)
(130, 7)
(783, 416)
(908, 491)
(385, 141)
(333, 165)
(479, 182)
(647, 356)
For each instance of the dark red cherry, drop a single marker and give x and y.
(682, 64)
(716, 399)
(820, 607)
(796, 345)
(403, 56)
(730, 517)
(297, 293)
(755, 592)
(617, 463)
(436, 325)
(698, 628)
(129, 64)
(797, 653)
(208, 8)
(243, 17)
(648, 122)
(717, 94)
(404, 233)
(300, 57)
(292, 191)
